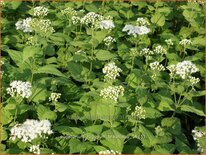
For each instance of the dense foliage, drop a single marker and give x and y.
(103, 77)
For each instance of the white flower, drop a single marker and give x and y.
(54, 96)
(135, 30)
(30, 130)
(92, 20)
(142, 22)
(43, 26)
(159, 50)
(111, 71)
(169, 42)
(196, 136)
(20, 88)
(141, 30)
(106, 24)
(109, 152)
(156, 66)
(75, 20)
(139, 113)
(185, 68)
(24, 25)
(40, 11)
(34, 149)
(193, 80)
(172, 69)
(112, 92)
(185, 42)
(146, 52)
(109, 40)
(69, 12)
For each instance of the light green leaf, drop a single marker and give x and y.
(194, 109)
(45, 113)
(104, 55)
(49, 69)
(158, 19)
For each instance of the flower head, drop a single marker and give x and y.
(24, 25)
(20, 88)
(111, 71)
(169, 42)
(159, 50)
(106, 24)
(185, 42)
(34, 149)
(112, 92)
(31, 129)
(142, 22)
(139, 113)
(157, 66)
(135, 30)
(109, 40)
(40, 11)
(54, 96)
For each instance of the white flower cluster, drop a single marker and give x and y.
(139, 113)
(106, 24)
(202, 2)
(159, 50)
(69, 12)
(75, 20)
(169, 42)
(54, 97)
(109, 40)
(109, 152)
(142, 22)
(196, 136)
(156, 66)
(24, 25)
(185, 42)
(40, 11)
(111, 71)
(193, 80)
(112, 92)
(146, 52)
(184, 69)
(92, 20)
(42, 26)
(20, 88)
(34, 149)
(135, 30)
(31, 129)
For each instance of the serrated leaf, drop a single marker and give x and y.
(49, 69)
(194, 109)
(45, 113)
(104, 55)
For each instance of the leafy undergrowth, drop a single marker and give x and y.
(103, 77)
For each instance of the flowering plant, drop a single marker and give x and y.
(107, 77)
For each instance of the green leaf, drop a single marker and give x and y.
(4, 134)
(39, 93)
(97, 129)
(104, 55)
(30, 51)
(113, 139)
(158, 19)
(194, 109)
(149, 139)
(172, 124)
(49, 69)
(67, 130)
(45, 113)
(16, 56)
(166, 104)
(61, 107)
(7, 117)
(152, 113)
